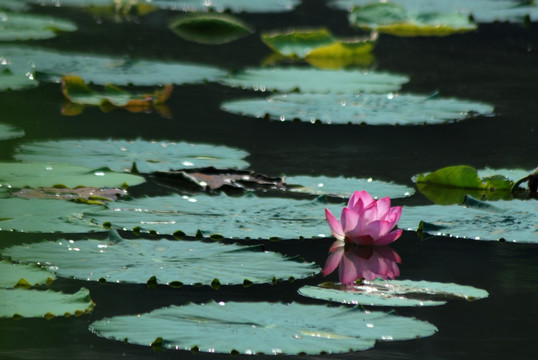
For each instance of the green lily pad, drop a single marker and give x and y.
(482, 11)
(513, 220)
(101, 70)
(236, 6)
(315, 81)
(233, 217)
(314, 43)
(345, 187)
(13, 5)
(10, 81)
(22, 275)
(261, 328)
(87, 195)
(211, 29)
(33, 303)
(397, 20)
(119, 155)
(186, 262)
(393, 293)
(371, 109)
(44, 215)
(19, 175)
(10, 132)
(16, 27)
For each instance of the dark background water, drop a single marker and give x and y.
(497, 64)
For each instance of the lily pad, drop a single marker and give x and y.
(22, 275)
(236, 6)
(13, 5)
(210, 29)
(101, 70)
(261, 328)
(233, 217)
(10, 132)
(482, 11)
(397, 20)
(33, 303)
(315, 81)
(316, 43)
(16, 27)
(44, 215)
(185, 262)
(393, 293)
(86, 195)
(19, 175)
(10, 81)
(119, 155)
(356, 109)
(513, 220)
(345, 187)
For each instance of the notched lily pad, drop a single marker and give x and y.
(22, 275)
(357, 109)
(10, 132)
(397, 20)
(48, 304)
(16, 27)
(78, 93)
(168, 262)
(393, 293)
(210, 28)
(261, 328)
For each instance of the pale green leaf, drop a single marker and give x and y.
(236, 6)
(10, 132)
(11, 81)
(23, 275)
(15, 26)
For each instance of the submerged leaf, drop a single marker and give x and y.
(262, 328)
(356, 109)
(16, 27)
(211, 28)
(188, 262)
(119, 155)
(393, 293)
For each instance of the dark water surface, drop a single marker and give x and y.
(497, 64)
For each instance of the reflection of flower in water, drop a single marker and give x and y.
(359, 251)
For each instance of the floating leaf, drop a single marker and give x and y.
(48, 304)
(482, 11)
(10, 132)
(315, 81)
(16, 27)
(21, 275)
(77, 92)
(135, 261)
(13, 5)
(119, 155)
(345, 187)
(236, 6)
(44, 215)
(513, 220)
(211, 29)
(393, 293)
(19, 175)
(233, 217)
(262, 328)
(101, 70)
(86, 195)
(397, 20)
(10, 81)
(371, 109)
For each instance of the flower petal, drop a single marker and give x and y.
(350, 220)
(332, 261)
(383, 208)
(360, 199)
(349, 268)
(336, 228)
(390, 237)
(394, 215)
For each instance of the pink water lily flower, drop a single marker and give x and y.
(366, 221)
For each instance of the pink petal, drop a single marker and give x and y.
(377, 229)
(337, 245)
(388, 253)
(383, 208)
(332, 261)
(350, 220)
(360, 199)
(390, 237)
(336, 228)
(348, 269)
(394, 215)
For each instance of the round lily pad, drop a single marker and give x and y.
(35, 303)
(236, 6)
(365, 108)
(393, 293)
(18, 175)
(14, 275)
(211, 29)
(10, 132)
(11, 81)
(315, 81)
(186, 262)
(31, 27)
(345, 187)
(119, 155)
(261, 328)
(513, 220)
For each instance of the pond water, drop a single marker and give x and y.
(495, 64)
